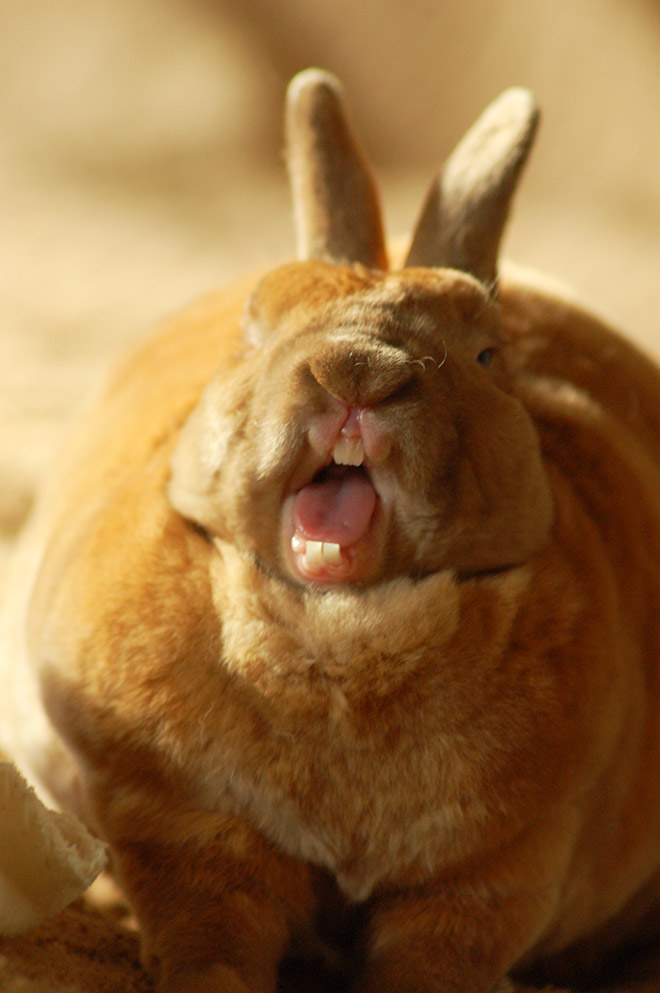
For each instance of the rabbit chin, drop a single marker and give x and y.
(326, 563)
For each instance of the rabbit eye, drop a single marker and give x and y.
(486, 357)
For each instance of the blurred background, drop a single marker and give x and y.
(141, 162)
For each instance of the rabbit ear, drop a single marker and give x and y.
(465, 212)
(336, 204)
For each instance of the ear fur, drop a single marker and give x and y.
(308, 285)
(336, 203)
(464, 215)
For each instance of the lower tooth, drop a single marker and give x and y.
(317, 553)
(314, 553)
(331, 553)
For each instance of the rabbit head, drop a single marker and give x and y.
(368, 425)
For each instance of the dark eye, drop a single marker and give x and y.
(486, 357)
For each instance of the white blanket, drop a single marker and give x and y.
(47, 859)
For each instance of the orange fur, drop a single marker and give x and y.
(453, 752)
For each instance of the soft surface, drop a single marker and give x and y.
(47, 858)
(141, 165)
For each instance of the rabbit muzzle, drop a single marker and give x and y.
(335, 521)
(375, 418)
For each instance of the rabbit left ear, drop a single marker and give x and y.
(336, 203)
(463, 218)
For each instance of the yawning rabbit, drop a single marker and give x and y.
(345, 605)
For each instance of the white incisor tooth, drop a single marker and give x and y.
(331, 553)
(348, 451)
(314, 553)
(317, 553)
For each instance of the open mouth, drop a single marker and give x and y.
(332, 515)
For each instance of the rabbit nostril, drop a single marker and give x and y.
(362, 376)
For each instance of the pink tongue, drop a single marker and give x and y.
(338, 509)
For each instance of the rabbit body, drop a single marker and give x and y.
(467, 748)
(437, 745)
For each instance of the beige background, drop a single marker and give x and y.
(140, 162)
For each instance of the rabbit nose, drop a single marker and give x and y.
(362, 375)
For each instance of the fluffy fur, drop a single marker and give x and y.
(441, 764)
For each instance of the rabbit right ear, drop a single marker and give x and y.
(336, 203)
(463, 218)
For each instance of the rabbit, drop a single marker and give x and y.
(344, 605)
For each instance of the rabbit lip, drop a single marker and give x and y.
(330, 521)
